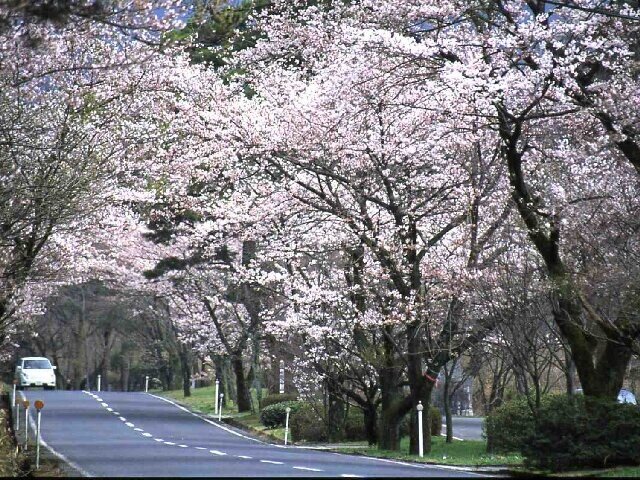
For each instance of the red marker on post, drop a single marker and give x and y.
(39, 404)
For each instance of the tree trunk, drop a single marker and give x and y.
(371, 424)
(242, 391)
(186, 370)
(335, 414)
(447, 404)
(389, 418)
(124, 374)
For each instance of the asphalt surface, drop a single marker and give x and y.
(137, 434)
(466, 428)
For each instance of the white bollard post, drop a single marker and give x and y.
(17, 418)
(99, 381)
(217, 396)
(286, 425)
(420, 439)
(15, 384)
(146, 383)
(39, 404)
(26, 423)
(220, 408)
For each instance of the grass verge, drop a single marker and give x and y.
(459, 453)
(201, 401)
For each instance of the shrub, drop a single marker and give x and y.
(275, 415)
(508, 427)
(579, 432)
(435, 418)
(277, 398)
(307, 425)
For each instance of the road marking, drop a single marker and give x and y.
(309, 469)
(116, 413)
(129, 424)
(147, 434)
(110, 409)
(350, 475)
(217, 452)
(123, 419)
(98, 399)
(169, 443)
(183, 446)
(104, 404)
(246, 457)
(138, 429)
(158, 440)
(215, 424)
(73, 465)
(271, 461)
(444, 425)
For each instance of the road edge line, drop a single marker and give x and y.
(59, 455)
(206, 419)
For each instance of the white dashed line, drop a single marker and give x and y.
(138, 429)
(217, 452)
(147, 434)
(183, 446)
(158, 440)
(309, 469)
(129, 424)
(169, 443)
(116, 413)
(123, 419)
(104, 404)
(271, 461)
(98, 399)
(199, 448)
(109, 409)
(244, 456)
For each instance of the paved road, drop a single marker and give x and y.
(466, 428)
(136, 434)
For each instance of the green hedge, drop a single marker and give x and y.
(275, 415)
(577, 432)
(277, 398)
(509, 426)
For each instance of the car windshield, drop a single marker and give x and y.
(36, 364)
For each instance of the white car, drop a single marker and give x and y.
(35, 372)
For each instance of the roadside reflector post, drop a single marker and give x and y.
(420, 439)
(217, 396)
(286, 425)
(17, 429)
(99, 381)
(146, 383)
(220, 408)
(13, 401)
(39, 404)
(26, 423)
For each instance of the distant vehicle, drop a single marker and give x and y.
(624, 396)
(35, 372)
